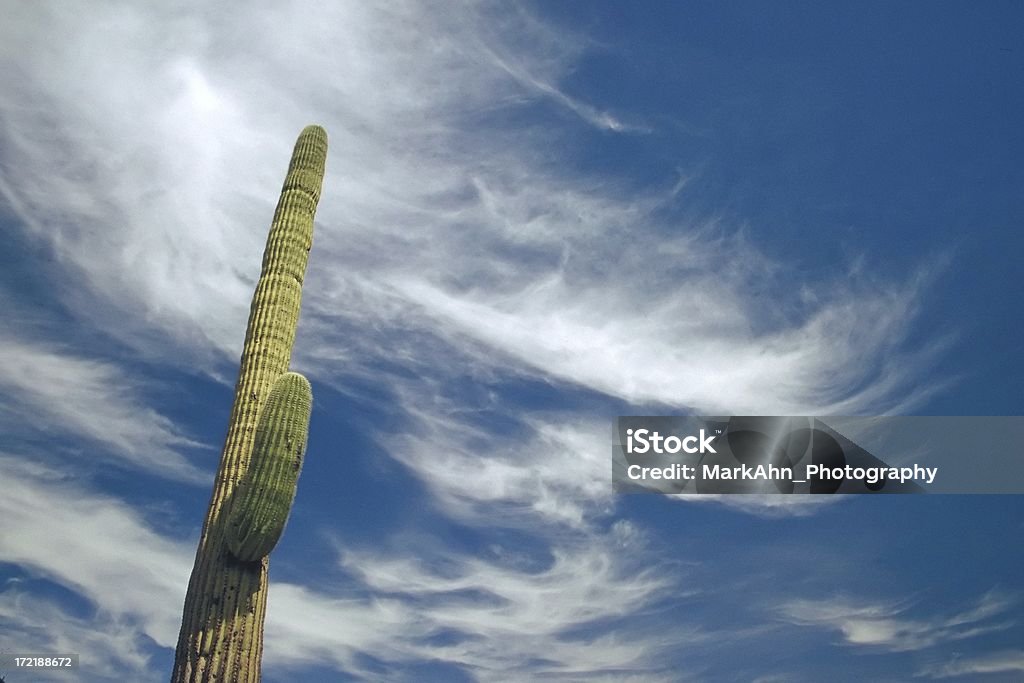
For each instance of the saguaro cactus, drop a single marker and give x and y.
(221, 636)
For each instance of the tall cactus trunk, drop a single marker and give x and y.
(221, 635)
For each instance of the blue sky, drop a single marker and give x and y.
(536, 217)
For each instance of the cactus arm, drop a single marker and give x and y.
(263, 498)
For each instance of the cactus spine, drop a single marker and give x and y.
(263, 498)
(221, 636)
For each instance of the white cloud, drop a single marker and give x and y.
(544, 473)
(147, 144)
(890, 628)
(691, 343)
(494, 620)
(767, 505)
(94, 545)
(494, 615)
(1008, 661)
(107, 648)
(53, 390)
(153, 164)
(152, 167)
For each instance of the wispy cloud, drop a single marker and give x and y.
(768, 505)
(545, 473)
(95, 545)
(108, 648)
(488, 616)
(1007, 661)
(152, 168)
(492, 614)
(891, 627)
(599, 119)
(454, 242)
(515, 613)
(52, 390)
(690, 343)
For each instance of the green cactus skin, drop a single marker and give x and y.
(221, 636)
(262, 500)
